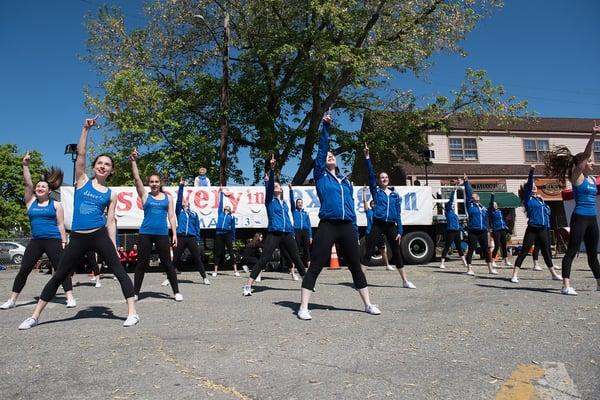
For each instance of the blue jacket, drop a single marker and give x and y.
(496, 218)
(335, 194)
(225, 222)
(188, 223)
(369, 213)
(277, 210)
(478, 215)
(538, 212)
(301, 218)
(386, 208)
(452, 223)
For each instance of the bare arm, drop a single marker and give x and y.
(364, 198)
(60, 222)
(577, 174)
(111, 223)
(139, 185)
(27, 180)
(80, 175)
(172, 221)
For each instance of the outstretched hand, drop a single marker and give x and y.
(26, 159)
(290, 185)
(327, 118)
(134, 156)
(465, 178)
(182, 181)
(272, 161)
(366, 150)
(532, 166)
(89, 122)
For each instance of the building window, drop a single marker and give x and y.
(597, 151)
(463, 149)
(535, 150)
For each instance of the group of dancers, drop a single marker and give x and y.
(94, 227)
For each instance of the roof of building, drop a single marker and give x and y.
(539, 124)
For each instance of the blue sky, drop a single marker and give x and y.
(546, 52)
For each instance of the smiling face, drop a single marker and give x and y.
(588, 167)
(475, 197)
(154, 183)
(185, 202)
(299, 204)
(330, 162)
(227, 209)
(495, 206)
(42, 191)
(384, 179)
(103, 167)
(277, 189)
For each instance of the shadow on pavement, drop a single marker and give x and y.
(351, 285)
(528, 289)
(99, 312)
(258, 289)
(313, 306)
(155, 295)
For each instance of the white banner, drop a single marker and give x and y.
(247, 204)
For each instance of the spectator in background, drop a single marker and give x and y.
(122, 255)
(132, 256)
(202, 179)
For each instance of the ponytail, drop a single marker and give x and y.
(53, 176)
(560, 162)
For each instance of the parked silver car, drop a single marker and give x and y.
(11, 252)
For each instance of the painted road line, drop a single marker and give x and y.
(547, 381)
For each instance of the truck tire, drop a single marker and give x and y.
(417, 248)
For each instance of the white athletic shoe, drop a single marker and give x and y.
(206, 281)
(372, 309)
(508, 263)
(537, 268)
(493, 272)
(304, 314)
(71, 303)
(494, 265)
(442, 266)
(236, 273)
(214, 274)
(408, 285)
(556, 278)
(470, 272)
(28, 323)
(178, 297)
(8, 305)
(390, 267)
(258, 278)
(245, 268)
(165, 283)
(98, 284)
(294, 276)
(131, 320)
(246, 290)
(569, 291)
(514, 279)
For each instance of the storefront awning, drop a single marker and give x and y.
(504, 199)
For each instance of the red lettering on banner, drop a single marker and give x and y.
(235, 200)
(249, 195)
(139, 203)
(216, 193)
(124, 201)
(259, 198)
(200, 199)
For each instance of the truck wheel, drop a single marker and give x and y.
(417, 248)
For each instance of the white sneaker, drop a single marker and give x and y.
(372, 309)
(470, 272)
(214, 274)
(178, 297)
(304, 314)
(98, 284)
(294, 276)
(408, 285)
(115, 278)
(514, 279)
(246, 290)
(8, 305)
(131, 320)
(556, 278)
(390, 268)
(71, 303)
(442, 266)
(507, 263)
(493, 272)
(206, 281)
(165, 283)
(258, 279)
(28, 323)
(537, 268)
(245, 268)
(569, 291)
(236, 273)
(494, 265)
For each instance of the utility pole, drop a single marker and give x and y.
(224, 104)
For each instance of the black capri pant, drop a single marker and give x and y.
(33, 252)
(478, 236)
(390, 231)
(222, 241)
(328, 233)
(500, 243)
(287, 243)
(539, 236)
(583, 228)
(163, 246)
(79, 244)
(189, 242)
(303, 243)
(449, 238)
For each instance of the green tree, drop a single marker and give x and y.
(291, 62)
(13, 215)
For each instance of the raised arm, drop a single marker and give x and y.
(270, 188)
(172, 221)
(139, 185)
(364, 198)
(28, 184)
(319, 167)
(80, 175)
(529, 185)
(577, 174)
(371, 172)
(492, 199)
(450, 203)
(292, 202)
(179, 204)
(468, 192)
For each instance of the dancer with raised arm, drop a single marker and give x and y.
(578, 168)
(279, 230)
(337, 225)
(387, 218)
(225, 235)
(477, 227)
(188, 233)
(453, 230)
(499, 232)
(302, 229)
(158, 207)
(48, 233)
(91, 229)
(538, 226)
(374, 243)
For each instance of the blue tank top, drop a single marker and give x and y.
(155, 216)
(585, 197)
(88, 211)
(43, 221)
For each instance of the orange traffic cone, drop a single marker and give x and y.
(334, 262)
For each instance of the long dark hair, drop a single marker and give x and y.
(559, 163)
(521, 192)
(53, 176)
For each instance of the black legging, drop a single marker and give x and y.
(189, 242)
(583, 228)
(328, 233)
(33, 252)
(303, 243)
(92, 262)
(287, 243)
(449, 238)
(79, 244)
(478, 236)
(222, 241)
(499, 243)
(163, 246)
(539, 236)
(390, 231)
